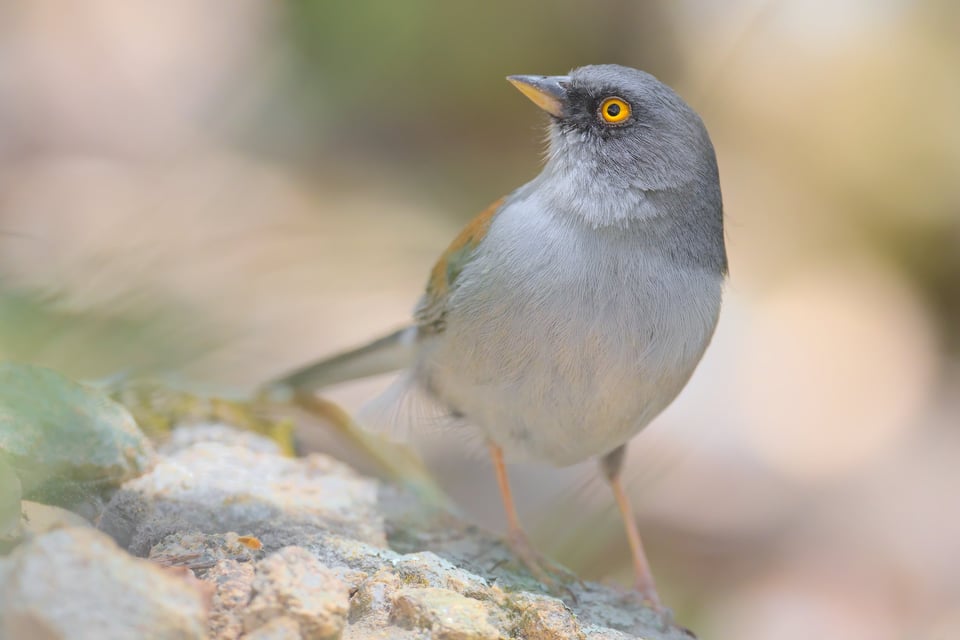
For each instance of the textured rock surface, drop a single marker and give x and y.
(66, 442)
(291, 583)
(545, 618)
(281, 628)
(214, 487)
(446, 614)
(75, 583)
(233, 582)
(306, 548)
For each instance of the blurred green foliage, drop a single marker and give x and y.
(93, 343)
(417, 84)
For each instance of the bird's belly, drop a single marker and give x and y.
(571, 370)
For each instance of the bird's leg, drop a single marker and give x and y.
(612, 463)
(516, 537)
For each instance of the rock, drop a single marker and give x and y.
(245, 543)
(41, 518)
(372, 601)
(483, 555)
(282, 628)
(161, 410)
(428, 569)
(353, 556)
(234, 588)
(386, 633)
(605, 633)
(217, 487)
(181, 439)
(200, 551)
(545, 618)
(75, 583)
(342, 554)
(293, 584)
(66, 442)
(446, 614)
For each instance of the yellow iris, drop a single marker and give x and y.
(614, 110)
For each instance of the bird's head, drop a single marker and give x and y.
(618, 137)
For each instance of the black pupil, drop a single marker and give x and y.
(613, 110)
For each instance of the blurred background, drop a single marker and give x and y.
(217, 192)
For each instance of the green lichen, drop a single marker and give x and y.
(159, 409)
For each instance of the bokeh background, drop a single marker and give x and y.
(216, 192)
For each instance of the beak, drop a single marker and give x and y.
(547, 92)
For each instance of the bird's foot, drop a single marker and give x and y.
(647, 594)
(649, 597)
(552, 575)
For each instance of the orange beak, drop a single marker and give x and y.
(547, 92)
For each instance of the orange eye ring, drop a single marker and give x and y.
(614, 110)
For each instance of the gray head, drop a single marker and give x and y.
(625, 147)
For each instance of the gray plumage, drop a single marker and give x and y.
(585, 308)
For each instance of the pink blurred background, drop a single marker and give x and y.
(216, 192)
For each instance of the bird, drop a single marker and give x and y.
(570, 313)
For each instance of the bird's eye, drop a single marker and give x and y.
(614, 110)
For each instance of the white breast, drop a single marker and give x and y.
(563, 341)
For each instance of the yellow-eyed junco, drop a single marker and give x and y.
(570, 313)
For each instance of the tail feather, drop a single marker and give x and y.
(390, 353)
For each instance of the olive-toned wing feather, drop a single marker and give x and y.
(431, 310)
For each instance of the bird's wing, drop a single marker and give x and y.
(431, 310)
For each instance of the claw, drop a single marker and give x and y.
(550, 574)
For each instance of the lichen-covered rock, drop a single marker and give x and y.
(77, 584)
(386, 633)
(200, 551)
(233, 583)
(66, 441)
(360, 558)
(594, 632)
(282, 628)
(446, 614)
(180, 439)
(161, 410)
(545, 618)
(372, 601)
(293, 584)
(369, 563)
(428, 569)
(217, 487)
